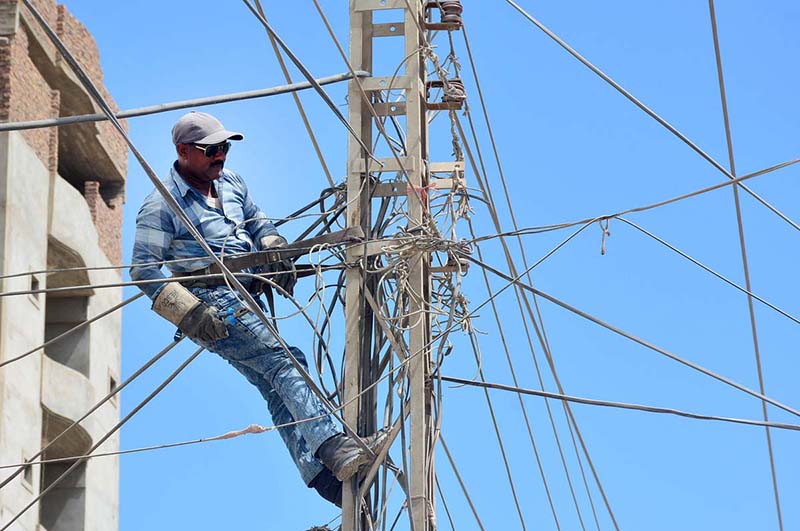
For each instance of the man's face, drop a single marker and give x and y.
(196, 164)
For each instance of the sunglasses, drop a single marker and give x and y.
(212, 150)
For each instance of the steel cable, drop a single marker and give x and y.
(745, 266)
(104, 438)
(620, 405)
(642, 342)
(114, 392)
(649, 111)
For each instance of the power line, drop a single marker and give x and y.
(743, 247)
(72, 330)
(114, 392)
(521, 298)
(633, 338)
(300, 66)
(297, 214)
(461, 482)
(620, 405)
(568, 224)
(251, 429)
(105, 437)
(701, 265)
(498, 321)
(648, 111)
(476, 351)
(298, 103)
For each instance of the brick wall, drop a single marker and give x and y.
(30, 96)
(55, 107)
(6, 44)
(49, 11)
(26, 95)
(82, 45)
(107, 219)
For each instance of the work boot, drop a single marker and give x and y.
(377, 441)
(344, 457)
(328, 487)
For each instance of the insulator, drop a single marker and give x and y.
(454, 91)
(454, 94)
(450, 14)
(451, 11)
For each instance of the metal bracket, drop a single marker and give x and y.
(390, 108)
(391, 29)
(373, 84)
(293, 250)
(389, 164)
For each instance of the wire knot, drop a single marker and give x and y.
(606, 233)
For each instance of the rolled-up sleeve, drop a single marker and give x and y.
(155, 230)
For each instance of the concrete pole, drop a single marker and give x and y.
(357, 350)
(358, 215)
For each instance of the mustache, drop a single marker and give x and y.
(218, 163)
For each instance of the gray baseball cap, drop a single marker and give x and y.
(201, 128)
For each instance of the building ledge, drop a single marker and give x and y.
(89, 154)
(73, 239)
(66, 396)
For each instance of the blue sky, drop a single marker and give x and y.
(571, 148)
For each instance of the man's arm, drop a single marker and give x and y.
(155, 230)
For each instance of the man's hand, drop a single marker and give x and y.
(282, 273)
(180, 307)
(202, 323)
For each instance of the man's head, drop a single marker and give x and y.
(201, 142)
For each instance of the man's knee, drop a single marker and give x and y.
(299, 356)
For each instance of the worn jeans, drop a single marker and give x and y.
(256, 353)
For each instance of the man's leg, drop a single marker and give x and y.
(308, 465)
(250, 344)
(257, 354)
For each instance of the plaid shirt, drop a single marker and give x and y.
(161, 236)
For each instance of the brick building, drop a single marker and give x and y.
(61, 196)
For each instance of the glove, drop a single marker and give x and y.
(197, 320)
(202, 323)
(283, 273)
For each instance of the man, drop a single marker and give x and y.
(217, 202)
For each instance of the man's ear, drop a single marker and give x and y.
(182, 150)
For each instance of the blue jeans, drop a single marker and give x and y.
(256, 353)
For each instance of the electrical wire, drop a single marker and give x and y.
(72, 330)
(649, 112)
(745, 266)
(642, 342)
(114, 392)
(104, 438)
(621, 405)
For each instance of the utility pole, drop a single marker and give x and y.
(397, 92)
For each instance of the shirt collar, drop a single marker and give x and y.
(184, 187)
